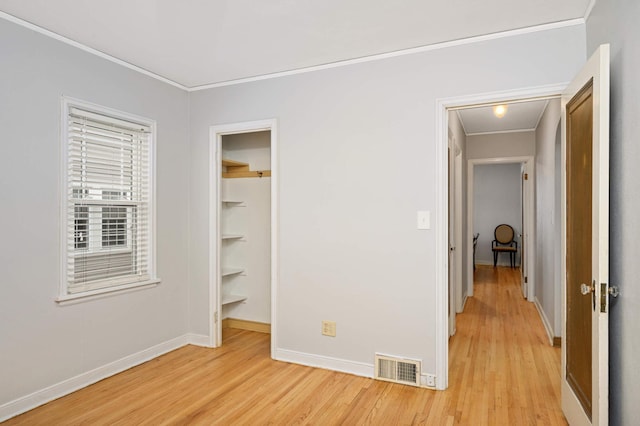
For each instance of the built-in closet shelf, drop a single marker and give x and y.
(234, 203)
(238, 169)
(232, 163)
(232, 236)
(231, 271)
(232, 298)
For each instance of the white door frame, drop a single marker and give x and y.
(215, 179)
(442, 170)
(527, 209)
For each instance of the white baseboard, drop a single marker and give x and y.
(28, 402)
(328, 363)
(336, 364)
(199, 340)
(500, 263)
(545, 321)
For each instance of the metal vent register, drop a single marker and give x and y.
(397, 370)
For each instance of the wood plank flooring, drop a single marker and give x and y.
(502, 365)
(502, 372)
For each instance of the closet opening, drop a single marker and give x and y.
(242, 237)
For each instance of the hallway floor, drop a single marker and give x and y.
(500, 360)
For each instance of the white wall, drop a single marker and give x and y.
(616, 22)
(501, 145)
(253, 148)
(41, 343)
(357, 159)
(497, 199)
(253, 220)
(547, 216)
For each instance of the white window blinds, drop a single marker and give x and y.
(108, 202)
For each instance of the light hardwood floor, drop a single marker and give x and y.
(502, 372)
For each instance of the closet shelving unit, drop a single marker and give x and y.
(233, 169)
(238, 169)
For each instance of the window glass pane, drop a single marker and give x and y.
(81, 224)
(114, 226)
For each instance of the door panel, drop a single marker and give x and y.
(585, 242)
(523, 232)
(579, 176)
(450, 223)
(526, 235)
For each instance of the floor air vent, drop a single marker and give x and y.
(397, 370)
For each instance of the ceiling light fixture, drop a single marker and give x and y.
(499, 110)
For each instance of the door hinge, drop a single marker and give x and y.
(526, 280)
(526, 176)
(215, 317)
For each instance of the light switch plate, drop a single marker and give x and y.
(424, 219)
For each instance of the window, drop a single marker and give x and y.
(107, 205)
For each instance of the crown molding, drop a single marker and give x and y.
(88, 49)
(336, 64)
(403, 52)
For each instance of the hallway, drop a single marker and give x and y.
(500, 359)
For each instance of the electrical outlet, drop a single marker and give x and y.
(424, 219)
(329, 328)
(430, 380)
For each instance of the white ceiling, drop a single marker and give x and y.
(201, 42)
(520, 116)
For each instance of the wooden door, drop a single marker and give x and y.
(585, 381)
(452, 254)
(523, 232)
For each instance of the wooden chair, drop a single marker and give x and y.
(504, 243)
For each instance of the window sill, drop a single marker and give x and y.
(71, 299)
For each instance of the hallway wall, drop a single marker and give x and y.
(497, 199)
(548, 290)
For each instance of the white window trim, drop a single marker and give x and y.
(64, 297)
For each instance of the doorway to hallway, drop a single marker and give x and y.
(493, 145)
